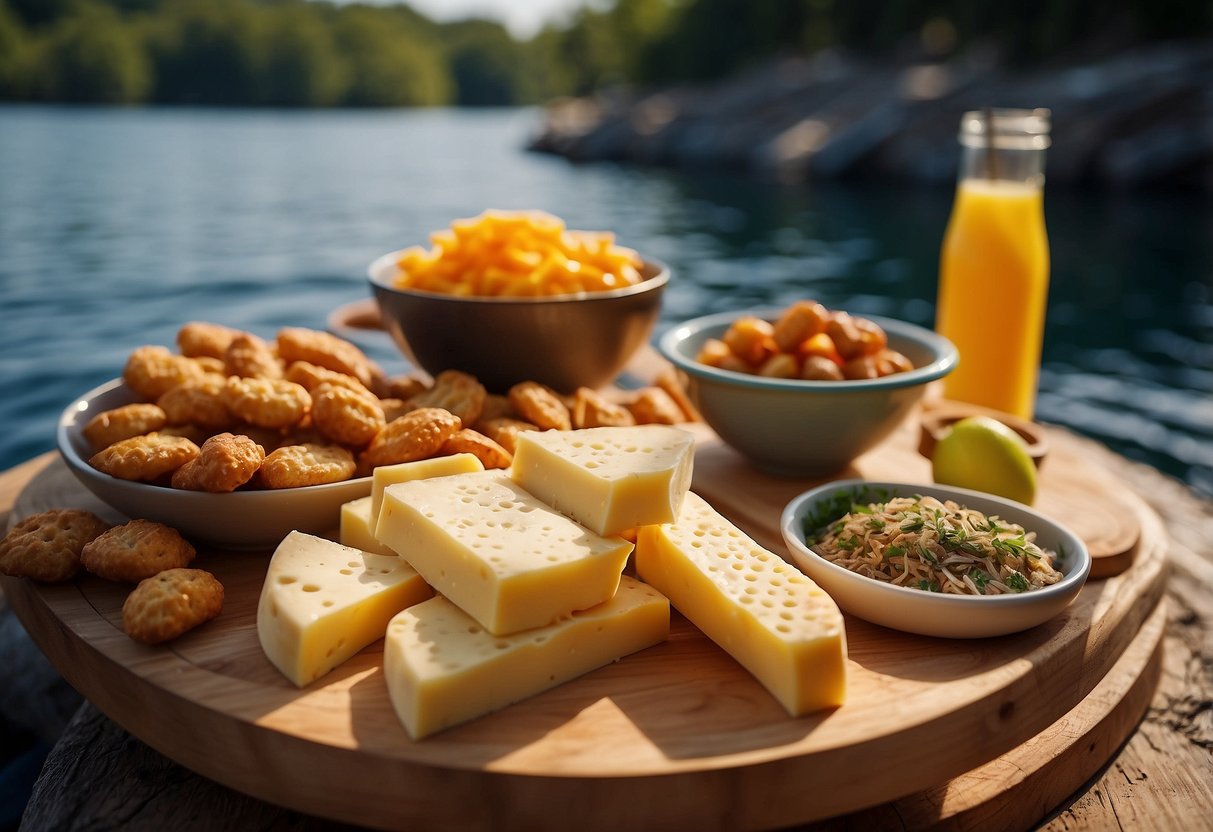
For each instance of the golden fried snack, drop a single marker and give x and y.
(799, 322)
(415, 435)
(891, 361)
(309, 376)
(152, 371)
(405, 387)
(671, 380)
(248, 356)
(136, 550)
(46, 546)
(199, 402)
(224, 463)
(504, 431)
(780, 365)
(394, 408)
(193, 433)
(199, 339)
(653, 406)
(495, 407)
(818, 368)
(166, 605)
(213, 366)
(751, 339)
(468, 441)
(268, 438)
(266, 402)
(112, 426)
(145, 458)
(455, 391)
(379, 384)
(293, 466)
(540, 406)
(591, 410)
(325, 350)
(346, 415)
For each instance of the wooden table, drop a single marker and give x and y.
(1162, 778)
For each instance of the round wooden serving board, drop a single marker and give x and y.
(676, 736)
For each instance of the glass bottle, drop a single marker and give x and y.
(994, 266)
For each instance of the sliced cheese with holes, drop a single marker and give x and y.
(764, 612)
(357, 531)
(442, 668)
(421, 469)
(608, 479)
(500, 554)
(323, 602)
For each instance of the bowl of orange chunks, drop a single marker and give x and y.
(802, 391)
(510, 296)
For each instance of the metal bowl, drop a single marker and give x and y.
(565, 341)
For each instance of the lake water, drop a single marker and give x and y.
(116, 226)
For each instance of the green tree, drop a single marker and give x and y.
(388, 61)
(487, 65)
(302, 66)
(206, 52)
(92, 57)
(13, 54)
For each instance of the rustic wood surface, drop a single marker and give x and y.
(1117, 712)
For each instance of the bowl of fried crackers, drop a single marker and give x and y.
(250, 516)
(232, 439)
(235, 441)
(516, 296)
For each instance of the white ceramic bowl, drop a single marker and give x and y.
(932, 613)
(240, 520)
(795, 428)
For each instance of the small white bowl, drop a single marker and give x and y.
(239, 520)
(933, 613)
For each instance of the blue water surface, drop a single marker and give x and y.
(118, 225)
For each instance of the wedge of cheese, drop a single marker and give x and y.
(422, 469)
(497, 552)
(763, 611)
(323, 602)
(443, 669)
(608, 479)
(357, 531)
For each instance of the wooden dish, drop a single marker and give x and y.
(938, 420)
(675, 736)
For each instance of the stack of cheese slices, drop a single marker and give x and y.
(492, 586)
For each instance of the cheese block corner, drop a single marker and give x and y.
(357, 530)
(443, 669)
(322, 602)
(763, 611)
(421, 469)
(608, 479)
(501, 555)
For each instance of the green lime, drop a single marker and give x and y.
(983, 454)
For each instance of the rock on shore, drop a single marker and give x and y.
(1142, 118)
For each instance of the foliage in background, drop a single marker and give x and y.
(296, 53)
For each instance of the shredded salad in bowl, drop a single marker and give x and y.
(924, 543)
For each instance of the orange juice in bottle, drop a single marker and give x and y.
(994, 267)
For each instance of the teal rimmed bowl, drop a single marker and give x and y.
(795, 428)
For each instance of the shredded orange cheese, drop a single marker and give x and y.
(518, 254)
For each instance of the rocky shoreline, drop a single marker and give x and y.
(1143, 118)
